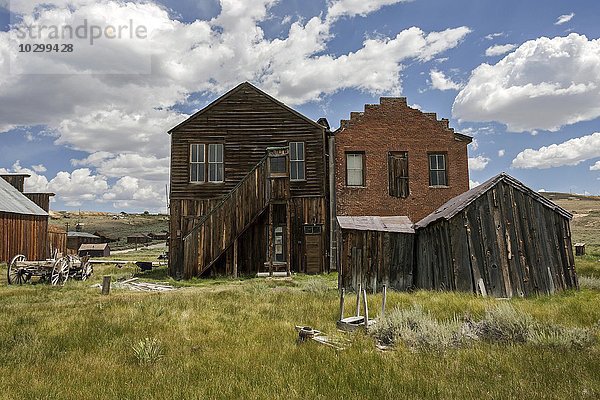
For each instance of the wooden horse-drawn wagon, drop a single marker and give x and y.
(56, 271)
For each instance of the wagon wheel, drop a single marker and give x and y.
(60, 271)
(15, 274)
(86, 268)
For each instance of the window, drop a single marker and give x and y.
(297, 161)
(197, 164)
(279, 256)
(277, 166)
(215, 163)
(437, 170)
(355, 169)
(398, 174)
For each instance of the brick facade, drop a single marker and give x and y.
(392, 126)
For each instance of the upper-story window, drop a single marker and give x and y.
(206, 161)
(398, 174)
(355, 171)
(277, 166)
(438, 175)
(297, 161)
(215, 162)
(197, 164)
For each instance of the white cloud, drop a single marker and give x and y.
(39, 168)
(571, 152)
(474, 144)
(439, 81)
(147, 168)
(35, 183)
(350, 8)
(78, 187)
(492, 36)
(501, 153)
(564, 19)
(595, 167)
(544, 84)
(478, 163)
(542, 190)
(473, 184)
(130, 114)
(129, 192)
(499, 49)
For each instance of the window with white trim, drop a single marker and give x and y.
(197, 164)
(215, 162)
(355, 174)
(297, 161)
(437, 170)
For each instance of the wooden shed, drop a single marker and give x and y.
(376, 251)
(94, 250)
(57, 239)
(500, 239)
(76, 239)
(23, 224)
(138, 238)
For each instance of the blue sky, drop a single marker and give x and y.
(523, 80)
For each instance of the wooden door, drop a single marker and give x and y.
(313, 253)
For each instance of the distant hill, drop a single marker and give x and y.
(116, 226)
(568, 196)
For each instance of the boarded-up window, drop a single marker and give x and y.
(437, 170)
(297, 161)
(197, 164)
(355, 174)
(398, 173)
(215, 163)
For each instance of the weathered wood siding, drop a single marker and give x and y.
(246, 122)
(503, 244)
(23, 234)
(375, 258)
(41, 199)
(57, 240)
(212, 234)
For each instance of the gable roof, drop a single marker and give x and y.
(400, 224)
(244, 85)
(13, 201)
(93, 246)
(81, 234)
(457, 204)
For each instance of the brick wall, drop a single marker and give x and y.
(393, 126)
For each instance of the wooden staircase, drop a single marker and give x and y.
(222, 226)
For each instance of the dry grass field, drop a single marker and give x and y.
(225, 338)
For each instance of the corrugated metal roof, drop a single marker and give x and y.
(13, 201)
(401, 224)
(90, 246)
(460, 202)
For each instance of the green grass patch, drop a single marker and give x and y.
(225, 338)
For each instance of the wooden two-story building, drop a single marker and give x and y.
(249, 184)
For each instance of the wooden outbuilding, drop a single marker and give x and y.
(94, 250)
(23, 224)
(139, 238)
(76, 239)
(376, 251)
(499, 239)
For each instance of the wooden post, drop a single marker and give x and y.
(288, 224)
(106, 284)
(342, 293)
(271, 241)
(358, 299)
(384, 300)
(235, 258)
(366, 308)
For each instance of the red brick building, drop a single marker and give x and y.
(392, 159)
